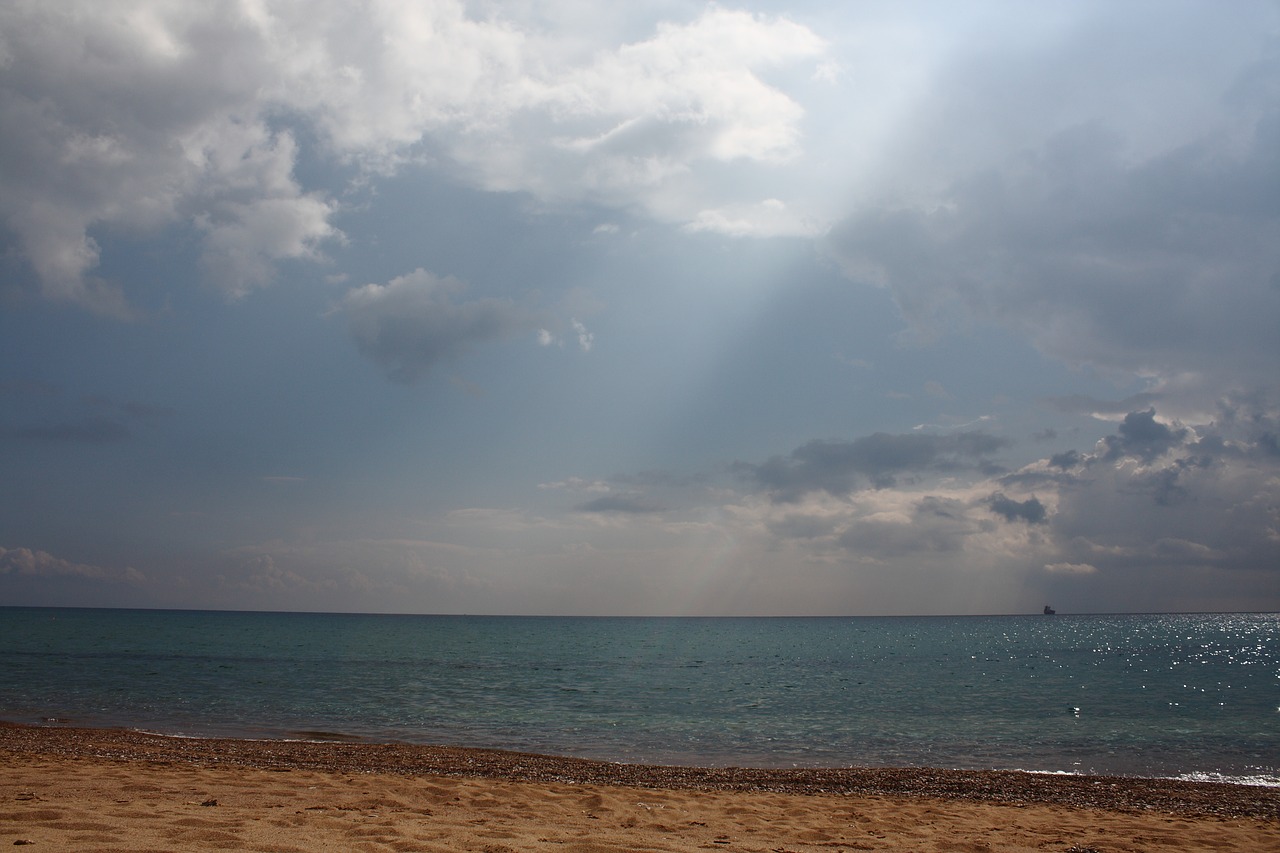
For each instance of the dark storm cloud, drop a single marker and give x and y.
(1159, 502)
(840, 467)
(1182, 510)
(1066, 460)
(1143, 437)
(1237, 435)
(412, 323)
(1254, 424)
(1030, 510)
(1164, 486)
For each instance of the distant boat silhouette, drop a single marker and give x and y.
(1049, 611)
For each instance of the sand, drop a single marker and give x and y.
(99, 790)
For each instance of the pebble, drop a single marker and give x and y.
(1012, 787)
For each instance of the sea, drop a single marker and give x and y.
(1193, 696)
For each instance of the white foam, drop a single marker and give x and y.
(1260, 780)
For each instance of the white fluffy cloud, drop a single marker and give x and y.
(251, 211)
(691, 91)
(131, 117)
(769, 218)
(126, 118)
(1070, 569)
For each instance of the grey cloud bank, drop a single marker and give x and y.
(751, 308)
(1166, 266)
(837, 467)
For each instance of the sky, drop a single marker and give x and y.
(657, 308)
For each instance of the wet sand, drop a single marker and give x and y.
(111, 790)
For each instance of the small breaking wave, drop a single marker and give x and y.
(1260, 780)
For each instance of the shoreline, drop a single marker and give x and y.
(121, 791)
(1009, 787)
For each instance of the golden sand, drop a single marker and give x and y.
(110, 790)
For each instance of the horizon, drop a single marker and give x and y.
(677, 308)
(640, 616)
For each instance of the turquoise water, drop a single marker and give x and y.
(1166, 695)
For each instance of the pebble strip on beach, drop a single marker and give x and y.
(994, 786)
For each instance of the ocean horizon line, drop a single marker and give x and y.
(707, 616)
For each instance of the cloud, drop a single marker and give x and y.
(803, 525)
(1094, 270)
(260, 575)
(622, 503)
(1150, 510)
(650, 109)
(243, 242)
(586, 340)
(769, 218)
(412, 323)
(936, 524)
(1030, 510)
(577, 484)
(1074, 222)
(1143, 437)
(1103, 409)
(1070, 569)
(940, 531)
(28, 563)
(946, 536)
(133, 118)
(608, 498)
(839, 467)
(1154, 501)
(1065, 460)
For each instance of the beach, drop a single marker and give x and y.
(67, 788)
